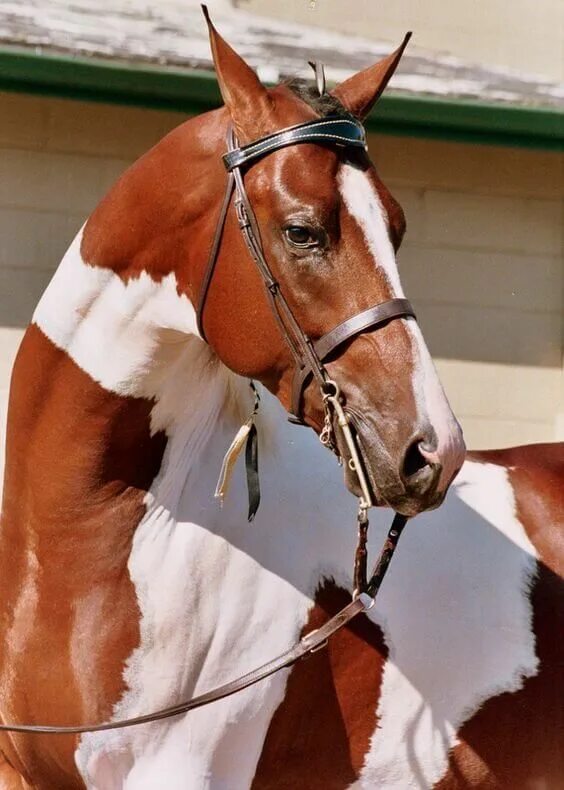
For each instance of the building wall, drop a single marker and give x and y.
(482, 260)
(518, 34)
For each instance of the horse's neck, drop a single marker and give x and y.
(104, 370)
(136, 340)
(206, 582)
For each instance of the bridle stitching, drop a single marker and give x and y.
(298, 133)
(299, 138)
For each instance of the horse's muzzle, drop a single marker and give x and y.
(405, 481)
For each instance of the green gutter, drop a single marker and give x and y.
(191, 92)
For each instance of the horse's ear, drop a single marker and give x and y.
(360, 92)
(245, 97)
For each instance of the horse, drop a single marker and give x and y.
(126, 588)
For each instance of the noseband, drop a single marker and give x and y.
(309, 355)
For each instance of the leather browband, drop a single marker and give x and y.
(337, 131)
(373, 316)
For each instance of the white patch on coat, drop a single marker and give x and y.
(209, 585)
(457, 619)
(219, 596)
(364, 204)
(432, 402)
(112, 329)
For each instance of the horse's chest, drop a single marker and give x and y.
(206, 615)
(456, 619)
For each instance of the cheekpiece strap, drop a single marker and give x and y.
(343, 132)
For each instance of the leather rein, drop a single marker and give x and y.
(309, 355)
(308, 644)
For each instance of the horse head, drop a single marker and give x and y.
(330, 231)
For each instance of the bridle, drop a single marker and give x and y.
(309, 356)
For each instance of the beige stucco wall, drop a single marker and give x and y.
(518, 34)
(482, 260)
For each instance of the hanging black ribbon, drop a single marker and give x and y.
(251, 464)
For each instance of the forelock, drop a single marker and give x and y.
(324, 105)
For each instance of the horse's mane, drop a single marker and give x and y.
(324, 105)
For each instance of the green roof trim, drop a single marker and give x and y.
(193, 91)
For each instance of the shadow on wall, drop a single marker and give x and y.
(491, 335)
(484, 305)
(20, 292)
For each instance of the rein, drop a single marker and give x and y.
(307, 646)
(309, 356)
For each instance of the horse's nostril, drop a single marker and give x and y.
(414, 460)
(427, 447)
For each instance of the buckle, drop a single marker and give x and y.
(242, 216)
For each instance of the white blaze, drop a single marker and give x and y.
(364, 204)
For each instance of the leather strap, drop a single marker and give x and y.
(297, 340)
(214, 252)
(308, 644)
(342, 132)
(374, 316)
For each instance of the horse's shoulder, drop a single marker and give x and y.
(545, 459)
(536, 474)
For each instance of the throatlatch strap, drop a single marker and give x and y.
(214, 252)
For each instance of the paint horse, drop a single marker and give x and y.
(124, 588)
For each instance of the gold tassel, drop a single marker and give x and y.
(230, 460)
(234, 451)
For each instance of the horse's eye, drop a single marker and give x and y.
(300, 236)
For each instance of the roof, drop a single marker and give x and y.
(152, 54)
